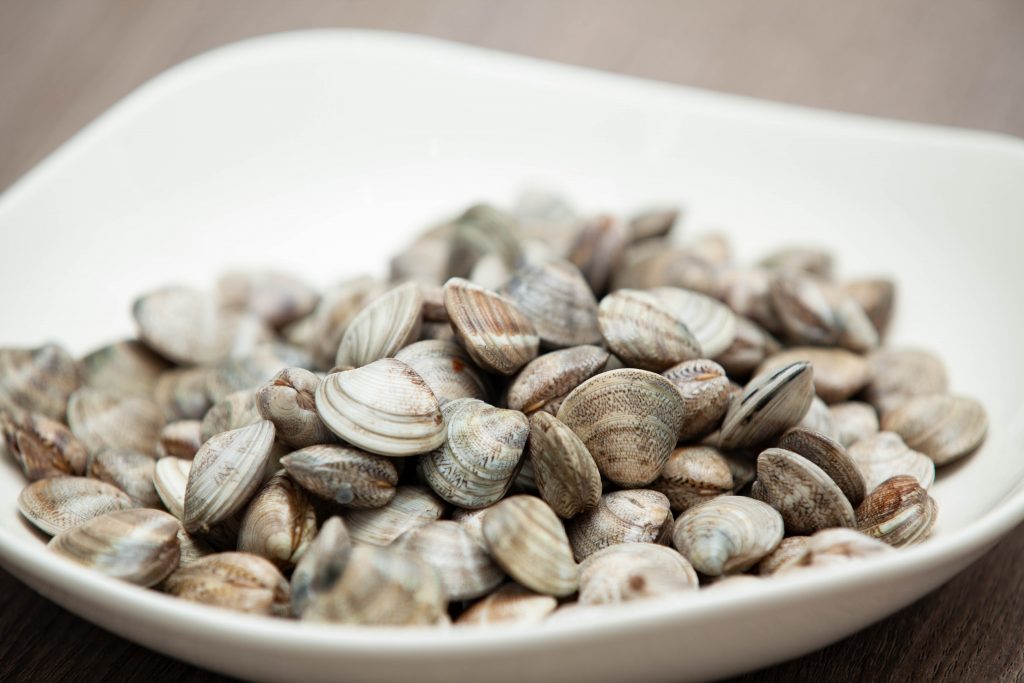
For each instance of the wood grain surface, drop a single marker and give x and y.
(63, 62)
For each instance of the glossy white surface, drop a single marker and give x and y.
(322, 151)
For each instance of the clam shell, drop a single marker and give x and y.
(597, 249)
(139, 546)
(802, 492)
(558, 301)
(818, 418)
(380, 587)
(771, 403)
(234, 411)
(497, 335)
(832, 547)
(751, 345)
(43, 447)
(170, 479)
(446, 368)
(482, 230)
(411, 507)
(383, 407)
(792, 549)
(478, 461)
(942, 426)
(705, 390)
(102, 420)
(830, 456)
(510, 604)
(59, 503)
(884, 455)
(711, 322)
(129, 471)
(37, 380)
(856, 331)
(321, 565)
(125, 367)
(388, 323)
(225, 474)
(337, 308)
(634, 571)
(181, 439)
(275, 297)
(241, 582)
(631, 516)
(728, 534)
(875, 296)
(805, 314)
(553, 375)
(527, 540)
(343, 474)
(644, 331)
(181, 393)
(465, 568)
(289, 401)
(748, 292)
(838, 373)
(900, 374)
(628, 419)
(805, 260)
(249, 371)
(566, 475)
(652, 223)
(667, 266)
(279, 523)
(694, 474)
(899, 511)
(853, 421)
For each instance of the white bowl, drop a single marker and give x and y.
(322, 151)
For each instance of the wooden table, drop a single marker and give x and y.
(942, 61)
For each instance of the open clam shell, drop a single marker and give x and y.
(388, 323)
(497, 335)
(728, 534)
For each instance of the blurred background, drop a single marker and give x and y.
(953, 62)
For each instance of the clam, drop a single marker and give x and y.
(792, 549)
(279, 523)
(818, 418)
(384, 407)
(380, 587)
(477, 462)
(321, 565)
(37, 380)
(875, 296)
(748, 292)
(838, 373)
(465, 568)
(240, 581)
(711, 322)
(549, 378)
(857, 332)
(644, 331)
(250, 370)
(629, 420)
(343, 474)
(694, 474)
(446, 368)
(124, 367)
(189, 327)
(225, 474)
(771, 403)
(289, 401)
(170, 479)
(884, 455)
(139, 546)
(482, 230)
(898, 511)
(806, 497)
(634, 571)
(853, 421)
(597, 249)
(43, 447)
(751, 345)
(705, 390)
(388, 323)
(234, 411)
(558, 301)
(900, 374)
(806, 260)
(668, 266)
(728, 534)
(275, 297)
(510, 604)
(804, 310)
(59, 503)
(338, 306)
(495, 333)
(830, 456)
(630, 516)
(564, 471)
(832, 547)
(181, 439)
(527, 540)
(127, 470)
(102, 420)
(181, 393)
(942, 426)
(411, 507)
(652, 223)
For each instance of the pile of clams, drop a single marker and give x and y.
(535, 415)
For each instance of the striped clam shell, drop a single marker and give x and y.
(694, 474)
(644, 331)
(497, 335)
(705, 390)
(942, 426)
(884, 455)
(547, 379)
(465, 568)
(838, 373)
(170, 479)
(558, 301)
(411, 507)
(37, 380)
(770, 403)
(899, 511)
(806, 497)
(830, 456)
(129, 471)
(345, 475)
(279, 522)
(43, 447)
(446, 368)
(566, 475)
(711, 322)
(630, 516)
(388, 323)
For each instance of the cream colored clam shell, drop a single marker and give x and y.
(728, 534)
(385, 325)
